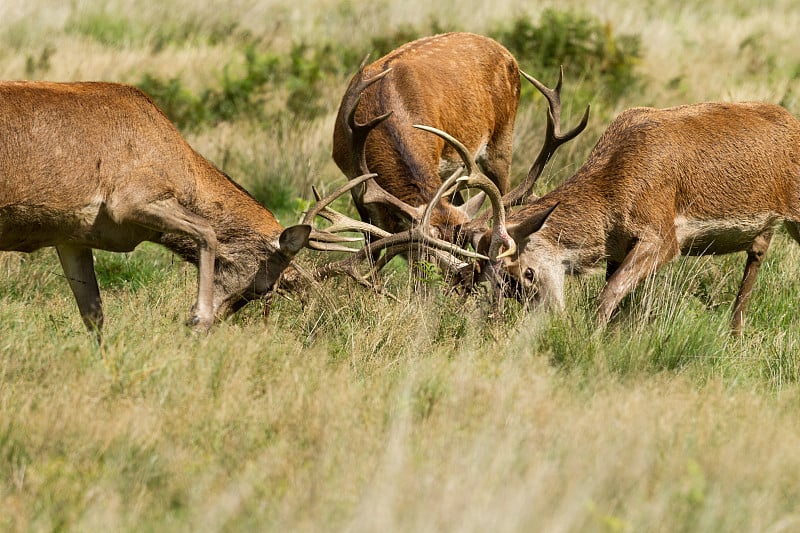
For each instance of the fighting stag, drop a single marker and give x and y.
(377, 130)
(98, 165)
(465, 84)
(709, 178)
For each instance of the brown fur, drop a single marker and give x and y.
(98, 165)
(464, 84)
(709, 178)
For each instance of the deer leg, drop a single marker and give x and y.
(169, 216)
(755, 256)
(642, 260)
(78, 266)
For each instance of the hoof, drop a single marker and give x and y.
(199, 325)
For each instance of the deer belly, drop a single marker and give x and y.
(720, 236)
(25, 228)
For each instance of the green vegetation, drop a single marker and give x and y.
(346, 410)
(584, 44)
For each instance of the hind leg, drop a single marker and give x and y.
(755, 256)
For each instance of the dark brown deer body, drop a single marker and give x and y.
(710, 178)
(97, 165)
(461, 83)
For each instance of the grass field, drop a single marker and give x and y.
(347, 411)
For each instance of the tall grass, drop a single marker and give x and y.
(345, 410)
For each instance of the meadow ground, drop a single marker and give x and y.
(348, 411)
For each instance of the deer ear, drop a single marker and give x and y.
(473, 205)
(294, 238)
(481, 241)
(531, 224)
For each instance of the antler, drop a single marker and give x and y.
(358, 131)
(476, 179)
(553, 139)
(415, 240)
(326, 239)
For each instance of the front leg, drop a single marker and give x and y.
(644, 258)
(78, 265)
(169, 216)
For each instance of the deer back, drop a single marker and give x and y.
(73, 148)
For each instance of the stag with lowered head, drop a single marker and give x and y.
(709, 178)
(98, 165)
(459, 86)
(465, 84)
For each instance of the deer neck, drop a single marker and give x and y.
(577, 228)
(241, 224)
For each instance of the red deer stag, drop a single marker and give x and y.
(462, 83)
(98, 165)
(710, 178)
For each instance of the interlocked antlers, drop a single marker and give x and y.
(419, 240)
(476, 179)
(416, 241)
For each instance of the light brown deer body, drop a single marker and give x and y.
(461, 83)
(710, 178)
(97, 165)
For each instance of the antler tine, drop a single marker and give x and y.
(340, 222)
(553, 96)
(358, 131)
(326, 239)
(321, 204)
(476, 179)
(362, 83)
(553, 138)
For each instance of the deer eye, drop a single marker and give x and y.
(530, 275)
